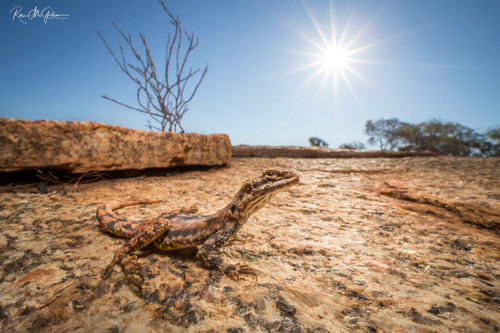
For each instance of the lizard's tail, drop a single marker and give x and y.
(115, 224)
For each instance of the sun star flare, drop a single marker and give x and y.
(338, 53)
(334, 58)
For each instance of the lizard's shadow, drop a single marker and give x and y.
(178, 262)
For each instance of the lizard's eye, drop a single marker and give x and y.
(271, 174)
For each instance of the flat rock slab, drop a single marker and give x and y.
(318, 152)
(360, 245)
(80, 147)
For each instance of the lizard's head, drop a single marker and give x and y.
(255, 193)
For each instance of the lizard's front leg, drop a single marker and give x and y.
(213, 261)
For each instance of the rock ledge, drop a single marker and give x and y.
(317, 152)
(80, 147)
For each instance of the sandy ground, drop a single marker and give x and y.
(369, 245)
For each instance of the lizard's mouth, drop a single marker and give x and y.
(278, 186)
(287, 182)
(294, 181)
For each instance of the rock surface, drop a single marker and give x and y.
(80, 147)
(316, 152)
(361, 245)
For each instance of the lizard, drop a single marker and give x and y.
(182, 228)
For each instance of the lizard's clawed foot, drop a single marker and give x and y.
(241, 240)
(133, 272)
(238, 270)
(107, 272)
(132, 269)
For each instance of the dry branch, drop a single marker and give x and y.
(164, 98)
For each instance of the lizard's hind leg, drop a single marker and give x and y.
(145, 233)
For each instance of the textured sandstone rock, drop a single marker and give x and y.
(360, 245)
(80, 147)
(315, 152)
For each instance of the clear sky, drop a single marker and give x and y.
(271, 64)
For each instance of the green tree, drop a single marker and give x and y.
(383, 132)
(447, 138)
(493, 147)
(317, 142)
(443, 138)
(353, 146)
(411, 137)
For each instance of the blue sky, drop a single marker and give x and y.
(416, 60)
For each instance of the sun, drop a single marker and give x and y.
(339, 52)
(334, 59)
